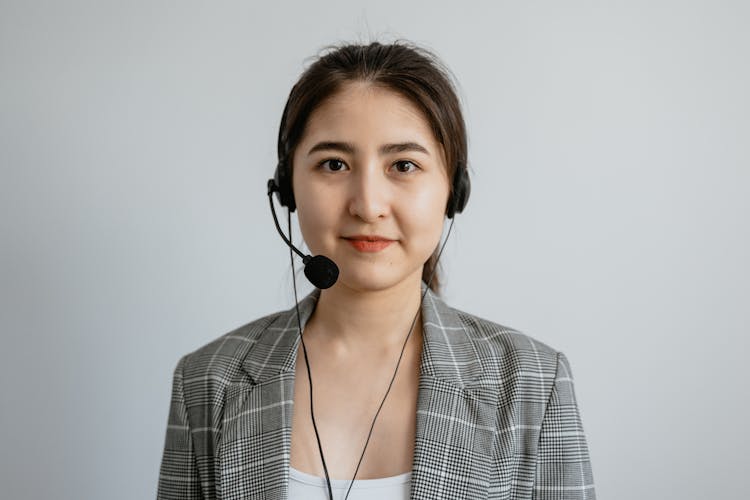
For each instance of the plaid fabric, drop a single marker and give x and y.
(496, 414)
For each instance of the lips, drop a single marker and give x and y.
(369, 243)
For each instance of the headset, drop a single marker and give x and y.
(320, 270)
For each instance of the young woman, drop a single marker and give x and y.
(372, 387)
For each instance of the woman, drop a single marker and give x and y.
(394, 394)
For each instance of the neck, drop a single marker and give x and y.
(355, 319)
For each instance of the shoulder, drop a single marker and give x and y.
(509, 352)
(218, 362)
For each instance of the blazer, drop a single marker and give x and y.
(496, 414)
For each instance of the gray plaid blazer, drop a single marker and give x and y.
(496, 414)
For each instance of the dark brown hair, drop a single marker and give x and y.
(411, 71)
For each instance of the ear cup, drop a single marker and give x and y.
(283, 181)
(460, 191)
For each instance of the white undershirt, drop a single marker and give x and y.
(303, 486)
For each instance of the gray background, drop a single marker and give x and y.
(609, 216)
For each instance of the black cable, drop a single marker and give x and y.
(304, 350)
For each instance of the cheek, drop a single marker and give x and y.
(317, 216)
(424, 214)
(312, 218)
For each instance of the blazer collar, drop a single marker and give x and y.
(448, 352)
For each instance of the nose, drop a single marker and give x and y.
(369, 194)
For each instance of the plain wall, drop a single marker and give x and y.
(608, 218)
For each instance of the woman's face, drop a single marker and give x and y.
(369, 167)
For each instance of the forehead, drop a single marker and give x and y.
(363, 112)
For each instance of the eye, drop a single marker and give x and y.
(332, 165)
(405, 166)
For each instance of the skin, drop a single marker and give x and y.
(358, 328)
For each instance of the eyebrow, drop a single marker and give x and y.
(347, 147)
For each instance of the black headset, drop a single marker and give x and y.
(320, 270)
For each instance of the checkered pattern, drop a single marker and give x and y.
(496, 414)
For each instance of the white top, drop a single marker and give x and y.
(303, 486)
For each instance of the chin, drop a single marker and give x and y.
(374, 279)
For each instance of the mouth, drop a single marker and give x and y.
(369, 243)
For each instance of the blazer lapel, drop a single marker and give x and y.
(456, 412)
(257, 425)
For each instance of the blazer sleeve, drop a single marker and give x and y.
(178, 476)
(563, 469)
